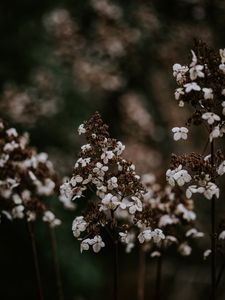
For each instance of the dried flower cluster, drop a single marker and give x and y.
(202, 85)
(172, 214)
(116, 190)
(26, 177)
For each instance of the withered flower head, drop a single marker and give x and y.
(115, 188)
(26, 177)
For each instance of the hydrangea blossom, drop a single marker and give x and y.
(170, 213)
(113, 184)
(26, 178)
(180, 133)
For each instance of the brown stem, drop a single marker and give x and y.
(213, 236)
(116, 269)
(141, 275)
(220, 274)
(115, 257)
(56, 263)
(36, 262)
(158, 278)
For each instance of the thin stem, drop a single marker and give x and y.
(205, 147)
(56, 263)
(116, 269)
(220, 274)
(141, 275)
(115, 258)
(36, 262)
(213, 237)
(158, 278)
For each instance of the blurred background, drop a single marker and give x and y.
(62, 60)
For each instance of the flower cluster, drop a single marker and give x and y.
(117, 193)
(202, 84)
(25, 178)
(172, 214)
(196, 173)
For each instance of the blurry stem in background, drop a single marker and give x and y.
(213, 236)
(56, 263)
(115, 258)
(35, 258)
(141, 274)
(158, 278)
(220, 274)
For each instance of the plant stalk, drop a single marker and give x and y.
(213, 236)
(158, 278)
(36, 262)
(56, 264)
(115, 258)
(141, 275)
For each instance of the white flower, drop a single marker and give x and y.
(179, 133)
(67, 203)
(85, 245)
(179, 72)
(135, 205)
(86, 147)
(109, 202)
(66, 190)
(222, 55)
(112, 183)
(79, 225)
(97, 243)
(9, 147)
(31, 216)
(46, 188)
(192, 86)
(155, 254)
(158, 235)
(83, 161)
(178, 176)
(193, 232)
(170, 175)
(145, 236)
(119, 148)
(223, 105)
(206, 253)
(196, 71)
(182, 177)
(221, 168)
(178, 93)
(215, 133)
(186, 213)
(210, 190)
(106, 156)
(222, 235)
(3, 159)
(208, 93)
(184, 249)
(16, 199)
(210, 117)
(167, 220)
(76, 179)
(81, 129)
(12, 132)
(100, 169)
(18, 212)
(192, 189)
(101, 191)
(50, 218)
(222, 67)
